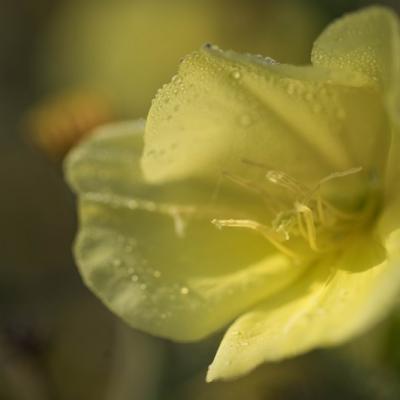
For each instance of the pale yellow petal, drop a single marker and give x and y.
(368, 42)
(161, 265)
(339, 297)
(223, 107)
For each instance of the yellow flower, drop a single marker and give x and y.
(299, 166)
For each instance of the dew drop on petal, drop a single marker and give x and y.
(270, 60)
(156, 274)
(184, 290)
(117, 262)
(236, 74)
(210, 46)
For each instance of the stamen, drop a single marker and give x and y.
(283, 223)
(264, 230)
(310, 230)
(309, 216)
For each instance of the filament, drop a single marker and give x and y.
(264, 230)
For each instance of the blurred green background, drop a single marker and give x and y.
(66, 66)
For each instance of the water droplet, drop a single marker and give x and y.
(210, 46)
(236, 74)
(156, 274)
(117, 262)
(176, 79)
(132, 204)
(134, 278)
(261, 59)
(184, 290)
(269, 60)
(143, 286)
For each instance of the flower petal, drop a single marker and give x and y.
(172, 275)
(223, 107)
(368, 42)
(337, 299)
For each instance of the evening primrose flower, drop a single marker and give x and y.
(297, 166)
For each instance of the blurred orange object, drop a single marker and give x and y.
(58, 123)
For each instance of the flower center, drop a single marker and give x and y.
(304, 213)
